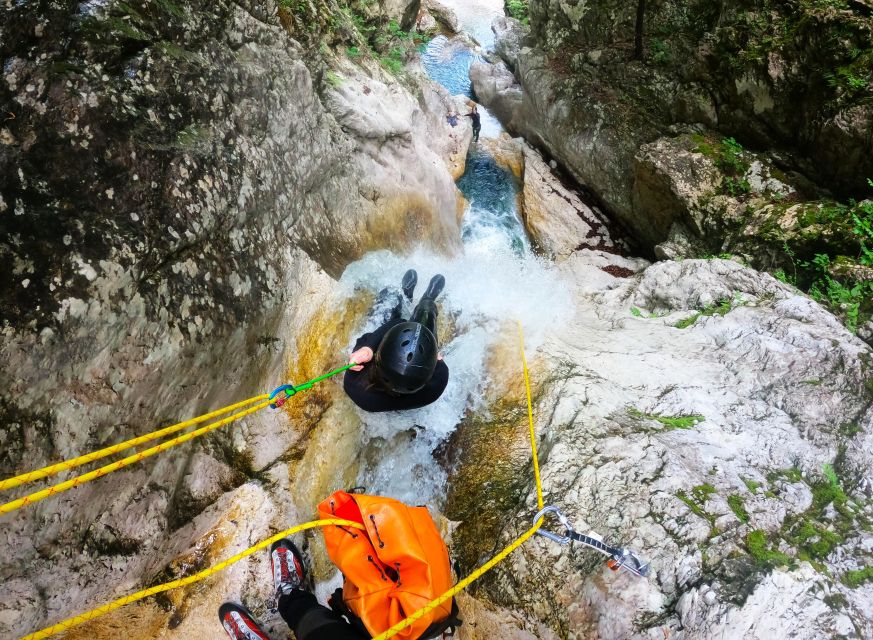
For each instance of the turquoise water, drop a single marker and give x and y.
(492, 191)
(448, 63)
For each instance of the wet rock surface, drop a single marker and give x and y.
(693, 441)
(176, 180)
(555, 217)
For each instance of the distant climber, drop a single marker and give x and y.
(407, 370)
(477, 122)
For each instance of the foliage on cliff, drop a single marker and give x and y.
(796, 74)
(357, 28)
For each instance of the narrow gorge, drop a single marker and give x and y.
(200, 202)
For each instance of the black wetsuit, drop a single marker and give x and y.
(477, 124)
(374, 399)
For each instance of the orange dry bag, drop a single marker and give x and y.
(395, 567)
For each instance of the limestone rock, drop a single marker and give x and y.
(509, 35)
(426, 23)
(702, 55)
(710, 196)
(497, 89)
(612, 461)
(445, 15)
(556, 218)
(507, 151)
(174, 204)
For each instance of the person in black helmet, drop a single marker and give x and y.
(404, 369)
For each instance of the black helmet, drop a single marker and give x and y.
(406, 357)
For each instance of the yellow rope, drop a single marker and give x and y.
(463, 584)
(533, 435)
(124, 462)
(460, 586)
(181, 582)
(67, 465)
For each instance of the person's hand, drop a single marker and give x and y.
(439, 356)
(361, 357)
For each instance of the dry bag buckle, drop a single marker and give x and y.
(287, 389)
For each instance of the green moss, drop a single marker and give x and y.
(855, 579)
(670, 422)
(758, 546)
(720, 308)
(696, 501)
(694, 506)
(687, 322)
(735, 502)
(849, 430)
(751, 485)
(702, 492)
(814, 541)
(792, 474)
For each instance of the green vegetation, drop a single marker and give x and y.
(636, 312)
(351, 26)
(660, 51)
(834, 33)
(670, 422)
(813, 534)
(517, 9)
(751, 485)
(792, 474)
(759, 548)
(334, 79)
(721, 308)
(735, 502)
(696, 501)
(855, 579)
(849, 430)
(846, 295)
(702, 492)
(813, 540)
(730, 157)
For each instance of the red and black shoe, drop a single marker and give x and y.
(287, 563)
(239, 623)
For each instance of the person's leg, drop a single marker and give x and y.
(426, 310)
(297, 606)
(426, 314)
(410, 279)
(312, 621)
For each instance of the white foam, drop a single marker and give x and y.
(485, 287)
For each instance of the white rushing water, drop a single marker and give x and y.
(487, 289)
(494, 283)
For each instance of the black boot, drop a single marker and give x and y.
(435, 287)
(410, 279)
